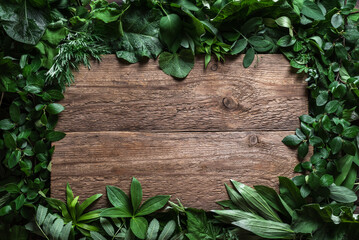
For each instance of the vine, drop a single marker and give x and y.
(43, 41)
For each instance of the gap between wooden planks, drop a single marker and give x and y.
(184, 138)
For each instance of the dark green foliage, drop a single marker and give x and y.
(43, 41)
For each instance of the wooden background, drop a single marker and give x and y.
(183, 138)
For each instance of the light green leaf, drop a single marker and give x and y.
(152, 231)
(54, 108)
(266, 228)
(342, 194)
(168, 230)
(97, 236)
(6, 124)
(87, 203)
(41, 214)
(107, 226)
(56, 228)
(116, 212)
(337, 20)
(310, 9)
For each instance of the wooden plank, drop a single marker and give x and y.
(114, 96)
(190, 166)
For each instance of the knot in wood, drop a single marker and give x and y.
(253, 140)
(214, 67)
(230, 103)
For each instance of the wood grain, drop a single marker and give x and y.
(184, 138)
(225, 97)
(190, 166)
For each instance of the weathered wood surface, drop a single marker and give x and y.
(183, 138)
(224, 97)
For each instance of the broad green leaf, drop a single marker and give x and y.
(54, 108)
(116, 212)
(10, 140)
(14, 113)
(230, 216)
(107, 226)
(331, 106)
(341, 51)
(337, 20)
(343, 164)
(292, 140)
(14, 159)
(272, 198)
(260, 44)
(349, 147)
(237, 199)
(87, 203)
(303, 150)
(6, 124)
(350, 132)
(284, 21)
(41, 214)
(310, 9)
(286, 41)
(290, 193)
(266, 228)
(107, 14)
(168, 230)
(22, 22)
(351, 177)
(139, 226)
(342, 194)
(313, 181)
(5, 210)
(152, 204)
(254, 200)
(96, 236)
(20, 201)
(118, 198)
(136, 194)
(65, 233)
(170, 31)
(177, 64)
(326, 180)
(336, 144)
(54, 136)
(248, 58)
(152, 231)
(239, 46)
(322, 98)
(140, 35)
(56, 228)
(307, 119)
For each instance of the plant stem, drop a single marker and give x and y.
(42, 231)
(2, 96)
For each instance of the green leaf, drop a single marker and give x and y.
(118, 198)
(41, 214)
(14, 113)
(326, 180)
(254, 200)
(248, 58)
(97, 236)
(303, 150)
(272, 198)
(286, 41)
(343, 164)
(10, 140)
(331, 106)
(106, 14)
(290, 193)
(239, 46)
(87, 203)
(168, 230)
(22, 22)
(56, 228)
(136, 194)
(341, 51)
(140, 35)
(107, 226)
(153, 204)
(139, 226)
(337, 20)
(54, 108)
(313, 181)
(316, 141)
(69, 195)
(307, 119)
(284, 22)
(310, 9)
(336, 144)
(322, 98)
(350, 132)
(5, 210)
(54, 136)
(90, 216)
(116, 212)
(177, 64)
(152, 231)
(65, 233)
(170, 31)
(6, 124)
(266, 228)
(342, 194)
(292, 140)
(349, 147)
(19, 202)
